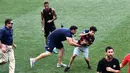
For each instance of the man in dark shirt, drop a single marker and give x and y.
(55, 39)
(108, 64)
(87, 38)
(6, 43)
(48, 15)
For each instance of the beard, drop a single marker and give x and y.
(110, 56)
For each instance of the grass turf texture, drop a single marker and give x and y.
(111, 17)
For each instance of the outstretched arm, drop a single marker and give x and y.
(72, 42)
(124, 61)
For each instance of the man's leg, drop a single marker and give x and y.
(46, 33)
(3, 57)
(86, 52)
(88, 63)
(70, 63)
(11, 61)
(60, 56)
(71, 60)
(75, 53)
(43, 55)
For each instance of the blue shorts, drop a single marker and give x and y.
(51, 45)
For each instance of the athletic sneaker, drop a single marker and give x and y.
(54, 51)
(61, 65)
(89, 67)
(66, 69)
(32, 62)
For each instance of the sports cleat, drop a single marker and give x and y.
(89, 67)
(32, 62)
(66, 69)
(54, 51)
(61, 65)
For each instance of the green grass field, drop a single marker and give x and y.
(111, 17)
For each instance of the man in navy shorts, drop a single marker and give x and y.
(55, 40)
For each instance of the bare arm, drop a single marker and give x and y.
(112, 70)
(54, 14)
(14, 45)
(121, 66)
(0, 45)
(42, 20)
(124, 62)
(72, 42)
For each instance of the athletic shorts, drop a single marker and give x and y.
(84, 50)
(51, 45)
(48, 30)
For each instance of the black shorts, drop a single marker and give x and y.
(51, 45)
(48, 30)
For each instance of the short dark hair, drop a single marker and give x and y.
(108, 48)
(7, 21)
(46, 2)
(93, 28)
(73, 27)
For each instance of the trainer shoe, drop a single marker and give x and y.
(54, 51)
(89, 67)
(66, 69)
(61, 65)
(32, 62)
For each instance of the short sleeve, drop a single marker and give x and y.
(118, 65)
(99, 66)
(1, 33)
(68, 34)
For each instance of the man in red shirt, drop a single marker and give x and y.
(125, 61)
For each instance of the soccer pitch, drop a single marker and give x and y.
(111, 17)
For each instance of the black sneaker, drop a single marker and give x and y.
(66, 69)
(89, 67)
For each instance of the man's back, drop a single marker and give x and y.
(60, 34)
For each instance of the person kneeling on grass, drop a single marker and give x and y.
(87, 38)
(55, 40)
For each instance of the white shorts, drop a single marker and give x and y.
(85, 51)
